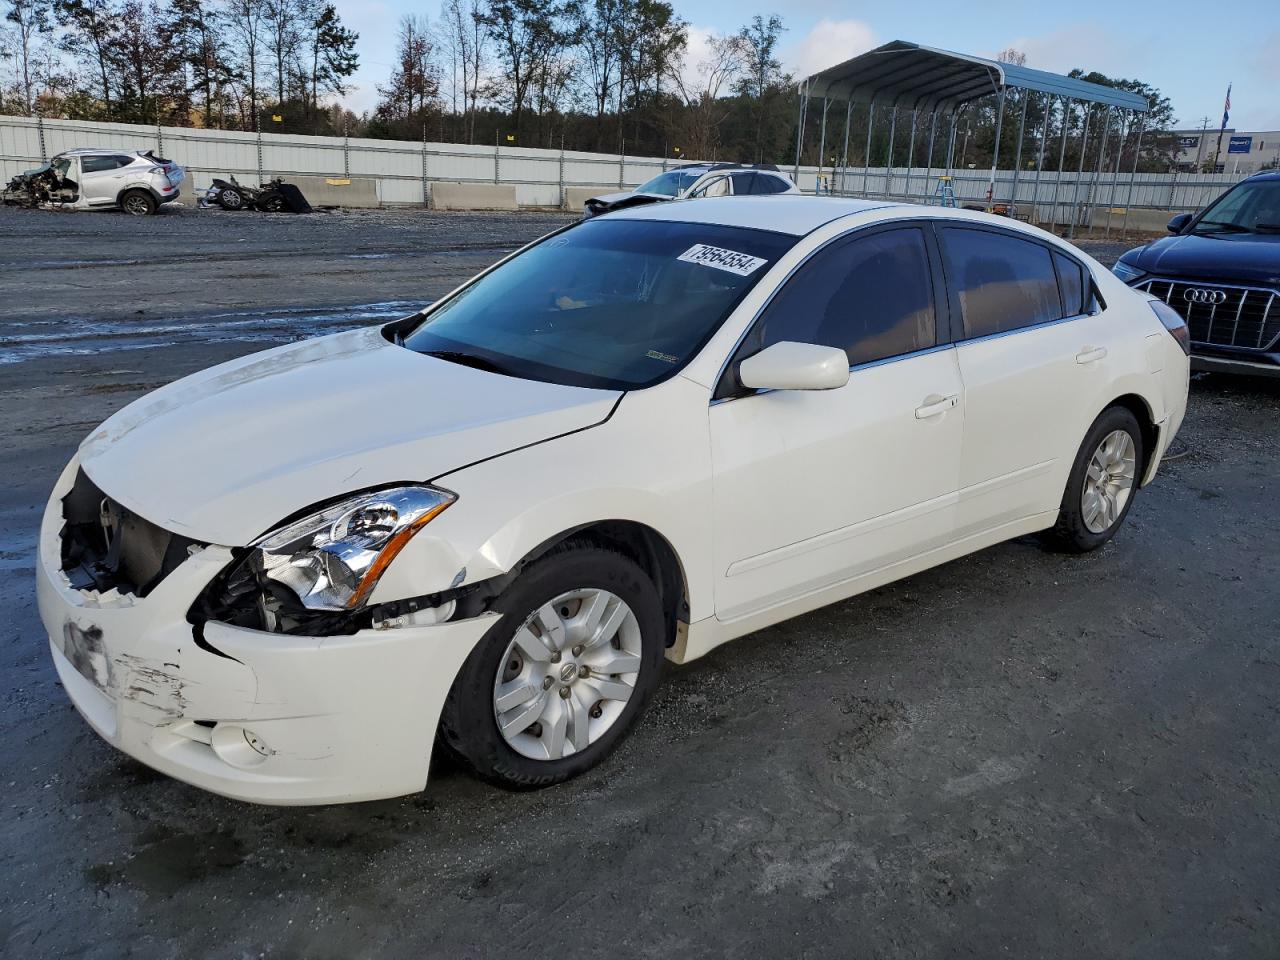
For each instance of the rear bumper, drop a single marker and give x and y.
(255, 716)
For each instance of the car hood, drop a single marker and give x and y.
(1243, 257)
(610, 199)
(224, 455)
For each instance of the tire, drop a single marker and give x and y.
(272, 204)
(231, 199)
(569, 745)
(1087, 518)
(138, 203)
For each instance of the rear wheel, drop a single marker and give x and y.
(1102, 483)
(556, 683)
(273, 203)
(139, 203)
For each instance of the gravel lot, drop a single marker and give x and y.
(1018, 754)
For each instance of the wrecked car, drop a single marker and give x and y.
(644, 435)
(274, 196)
(138, 183)
(696, 180)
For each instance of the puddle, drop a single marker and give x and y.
(81, 337)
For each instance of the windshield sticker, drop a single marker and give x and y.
(743, 264)
(664, 357)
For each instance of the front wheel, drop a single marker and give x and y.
(556, 683)
(1102, 483)
(231, 199)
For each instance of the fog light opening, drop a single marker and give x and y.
(237, 746)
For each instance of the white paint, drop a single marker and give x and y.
(774, 503)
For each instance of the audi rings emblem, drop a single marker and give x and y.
(1204, 295)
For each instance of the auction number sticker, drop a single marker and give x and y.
(743, 264)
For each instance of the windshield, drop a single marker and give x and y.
(618, 304)
(670, 184)
(1249, 208)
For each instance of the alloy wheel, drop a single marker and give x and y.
(568, 674)
(1109, 481)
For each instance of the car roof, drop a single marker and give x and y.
(798, 214)
(82, 151)
(783, 213)
(1264, 175)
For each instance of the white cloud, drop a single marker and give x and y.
(829, 42)
(1084, 45)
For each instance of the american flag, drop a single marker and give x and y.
(1226, 108)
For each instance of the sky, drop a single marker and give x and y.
(1189, 50)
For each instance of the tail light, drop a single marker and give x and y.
(1174, 323)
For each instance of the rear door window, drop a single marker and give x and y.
(742, 183)
(768, 183)
(1003, 282)
(97, 164)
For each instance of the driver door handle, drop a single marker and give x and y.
(936, 404)
(1090, 354)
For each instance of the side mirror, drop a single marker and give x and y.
(795, 366)
(1178, 223)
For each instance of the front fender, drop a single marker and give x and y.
(648, 464)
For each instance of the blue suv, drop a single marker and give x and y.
(1221, 271)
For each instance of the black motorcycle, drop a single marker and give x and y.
(274, 196)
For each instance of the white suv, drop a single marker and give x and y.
(136, 182)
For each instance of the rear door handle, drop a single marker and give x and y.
(1090, 354)
(936, 404)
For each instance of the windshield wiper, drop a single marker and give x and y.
(1225, 225)
(1267, 227)
(469, 360)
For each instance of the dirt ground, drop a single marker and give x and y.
(1018, 754)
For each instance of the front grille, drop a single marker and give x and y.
(1247, 318)
(105, 546)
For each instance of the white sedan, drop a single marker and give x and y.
(635, 439)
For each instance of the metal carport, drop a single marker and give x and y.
(926, 80)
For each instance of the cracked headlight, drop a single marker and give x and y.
(333, 558)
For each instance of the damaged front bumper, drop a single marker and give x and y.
(251, 715)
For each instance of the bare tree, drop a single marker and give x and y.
(285, 22)
(466, 40)
(703, 92)
(31, 20)
(248, 22)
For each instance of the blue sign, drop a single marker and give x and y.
(1240, 145)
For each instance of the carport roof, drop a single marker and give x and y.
(925, 78)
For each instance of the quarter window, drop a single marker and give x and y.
(1071, 282)
(871, 296)
(1003, 282)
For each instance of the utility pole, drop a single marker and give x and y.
(1204, 129)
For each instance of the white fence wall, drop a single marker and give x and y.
(403, 169)
(1054, 198)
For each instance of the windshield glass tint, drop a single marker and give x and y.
(608, 303)
(1250, 206)
(669, 184)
